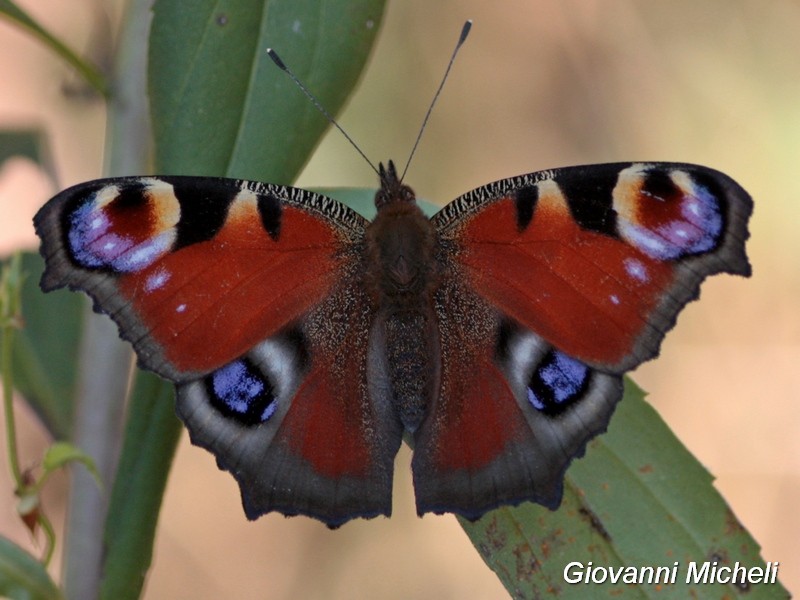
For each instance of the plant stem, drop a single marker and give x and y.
(50, 536)
(105, 361)
(89, 72)
(9, 303)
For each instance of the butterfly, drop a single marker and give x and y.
(305, 341)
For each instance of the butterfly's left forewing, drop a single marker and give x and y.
(554, 285)
(248, 296)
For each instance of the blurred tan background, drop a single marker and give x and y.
(540, 84)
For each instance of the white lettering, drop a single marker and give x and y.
(665, 571)
(739, 574)
(774, 566)
(693, 575)
(577, 572)
(603, 574)
(572, 572)
(631, 575)
(723, 574)
(707, 572)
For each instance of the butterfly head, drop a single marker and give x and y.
(392, 189)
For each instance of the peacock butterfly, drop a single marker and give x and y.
(304, 341)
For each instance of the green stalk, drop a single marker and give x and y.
(105, 360)
(9, 303)
(50, 537)
(89, 72)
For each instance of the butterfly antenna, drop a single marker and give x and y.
(282, 66)
(461, 39)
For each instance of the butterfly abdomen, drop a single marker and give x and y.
(412, 356)
(401, 277)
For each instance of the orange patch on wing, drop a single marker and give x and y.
(210, 302)
(588, 294)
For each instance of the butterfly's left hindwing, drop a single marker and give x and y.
(248, 297)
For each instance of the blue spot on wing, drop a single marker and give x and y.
(85, 227)
(240, 391)
(559, 380)
(705, 214)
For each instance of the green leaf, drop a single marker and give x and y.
(24, 142)
(151, 437)
(60, 454)
(44, 357)
(22, 577)
(637, 498)
(216, 105)
(221, 107)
